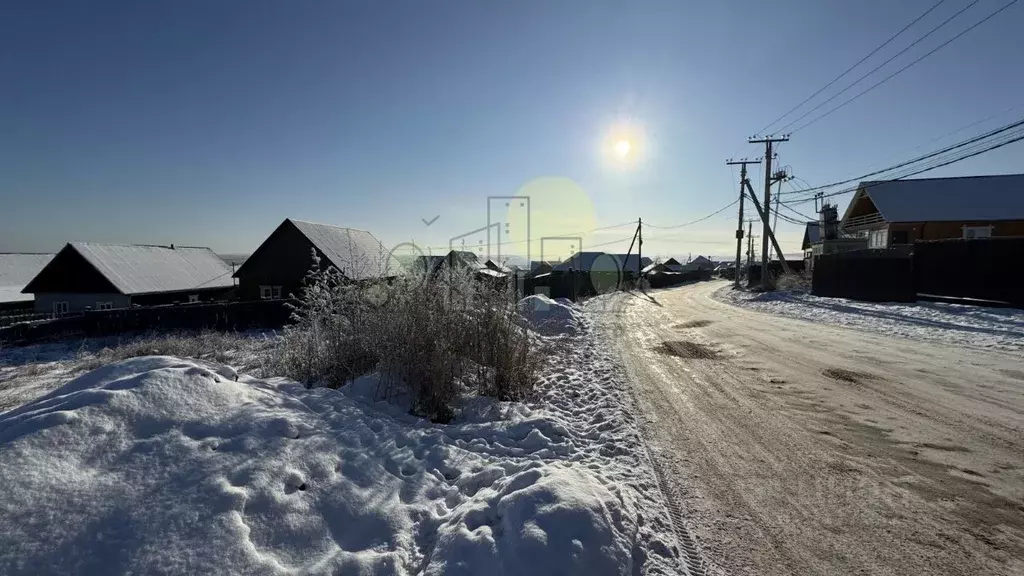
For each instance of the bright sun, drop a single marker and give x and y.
(622, 148)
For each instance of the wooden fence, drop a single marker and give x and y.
(213, 316)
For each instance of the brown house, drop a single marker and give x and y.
(894, 212)
(279, 266)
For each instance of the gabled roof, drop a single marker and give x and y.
(356, 253)
(492, 265)
(812, 234)
(16, 271)
(601, 261)
(142, 269)
(970, 198)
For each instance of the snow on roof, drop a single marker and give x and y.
(138, 269)
(356, 253)
(947, 199)
(16, 271)
(602, 260)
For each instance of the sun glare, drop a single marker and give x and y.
(625, 146)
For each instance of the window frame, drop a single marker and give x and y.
(193, 298)
(60, 307)
(275, 292)
(975, 230)
(265, 292)
(105, 305)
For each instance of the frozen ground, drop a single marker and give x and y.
(810, 448)
(995, 328)
(167, 465)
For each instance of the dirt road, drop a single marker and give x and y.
(798, 448)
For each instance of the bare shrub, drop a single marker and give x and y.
(794, 282)
(431, 335)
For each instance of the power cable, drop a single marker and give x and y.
(976, 150)
(901, 70)
(939, 152)
(851, 68)
(713, 214)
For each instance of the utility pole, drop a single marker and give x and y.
(739, 226)
(639, 250)
(765, 282)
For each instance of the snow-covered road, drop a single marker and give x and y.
(807, 448)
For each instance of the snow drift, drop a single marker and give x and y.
(169, 466)
(549, 317)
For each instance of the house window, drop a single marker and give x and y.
(60, 307)
(977, 231)
(104, 305)
(193, 298)
(877, 239)
(270, 292)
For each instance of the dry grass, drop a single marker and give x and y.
(429, 337)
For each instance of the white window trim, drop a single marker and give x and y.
(60, 307)
(193, 298)
(265, 292)
(104, 305)
(275, 292)
(977, 231)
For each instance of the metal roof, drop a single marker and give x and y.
(970, 198)
(812, 234)
(609, 262)
(138, 269)
(16, 271)
(356, 253)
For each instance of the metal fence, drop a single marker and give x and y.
(871, 275)
(980, 269)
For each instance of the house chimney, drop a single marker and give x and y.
(172, 246)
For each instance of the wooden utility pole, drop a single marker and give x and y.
(771, 235)
(765, 282)
(739, 227)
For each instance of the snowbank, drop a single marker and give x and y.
(550, 317)
(994, 328)
(164, 465)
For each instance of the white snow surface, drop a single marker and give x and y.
(162, 465)
(956, 324)
(550, 317)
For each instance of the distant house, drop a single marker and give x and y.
(103, 276)
(699, 263)
(672, 265)
(893, 212)
(16, 271)
(812, 235)
(279, 266)
(496, 267)
(538, 267)
(601, 262)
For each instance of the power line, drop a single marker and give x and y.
(713, 214)
(630, 223)
(901, 70)
(977, 150)
(938, 152)
(851, 68)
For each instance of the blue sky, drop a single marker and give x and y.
(207, 123)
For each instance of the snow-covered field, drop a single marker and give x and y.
(993, 328)
(167, 465)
